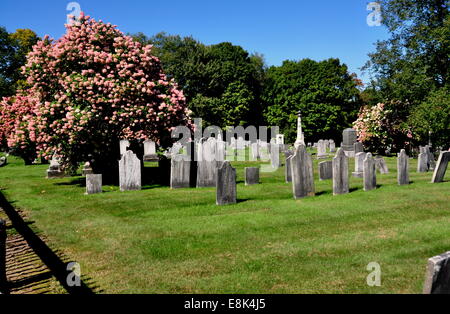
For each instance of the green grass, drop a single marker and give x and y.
(163, 241)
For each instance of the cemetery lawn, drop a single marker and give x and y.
(178, 241)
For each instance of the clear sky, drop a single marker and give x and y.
(280, 30)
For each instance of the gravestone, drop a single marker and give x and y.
(288, 170)
(340, 173)
(332, 146)
(206, 164)
(226, 185)
(93, 183)
(431, 161)
(240, 143)
(358, 147)
(280, 139)
(180, 171)
(130, 172)
(437, 277)
(441, 167)
(87, 169)
(422, 162)
(321, 150)
(325, 170)
(369, 173)
(302, 173)
(359, 165)
(403, 168)
(3, 161)
(124, 144)
(150, 151)
(349, 138)
(54, 170)
(255, 151)
(251, 176)
(275, 156)
(381, 166)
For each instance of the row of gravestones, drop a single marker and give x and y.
(299, 171)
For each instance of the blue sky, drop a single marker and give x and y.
(280, 30)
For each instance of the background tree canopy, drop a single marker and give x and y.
(325, 92)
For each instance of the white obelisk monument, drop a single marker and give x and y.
(300, 137)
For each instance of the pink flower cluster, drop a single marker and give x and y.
(93, 86)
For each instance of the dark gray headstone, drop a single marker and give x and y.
(251, 176)
(422, 162)
(349, 138)
(340, 173)
(180, 171)
(302, 173)
(226, 185)
(441, 167)
(369, 173)
(358, 147)
(129, 172)
(93, 183)
(403, 168)
(288, 169)
(437, 278)
(325, 170)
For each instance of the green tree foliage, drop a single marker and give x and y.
(415, 60)
(222, 83)
(325, 93)
(433, 114)
(14, 48)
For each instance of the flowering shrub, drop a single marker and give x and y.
(16, 121)
(382, 127)
(96, 86)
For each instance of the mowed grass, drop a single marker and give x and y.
(178, 241)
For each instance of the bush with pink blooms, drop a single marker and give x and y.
(383, 128)
(95, 86)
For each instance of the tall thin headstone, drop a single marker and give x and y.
(422, 161)
(288, 169)
(403, 168)
(321, 150)
(340, 173)
(369, 173)
(441, 167)
(130, 172)
(226, 185)
(206, 164)
(302, 173)
(300, 136)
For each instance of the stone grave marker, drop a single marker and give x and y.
(130, 172)
(437, 277)
(325, 170)
(403, 168)
(369, 173)
(302, 173)
(226, 185)
(359, 165)
(441, 167)
(180, 171)
(251, 176)
(93, 183)
(340, 173)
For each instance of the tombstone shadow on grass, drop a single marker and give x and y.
(80, 181)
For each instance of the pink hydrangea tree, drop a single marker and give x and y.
(383, 126)
(96, 86)
(16, 121)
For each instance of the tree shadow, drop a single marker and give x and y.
(49, 257)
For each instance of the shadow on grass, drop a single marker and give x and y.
(49, 257)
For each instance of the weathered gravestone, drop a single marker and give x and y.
(124, 144)
(321, 150)
(255, 151)
(3, 161)
(441, 167)
(275, 155)
(226, 185)
(381, 166)
(431, 161)
(422, 162)
(180, 171)
(150, 151)
(358, 147)
(325, 170)
(302, 173)
(54, 170)
(359, 165)
(251, 176)
(332, 146)
(288, 169)
(340, 173)
(349, 138)
(130, 172)
(369, 173)
(93, 183)
(437, 278)
(206, 163)
(403, 168)
(87, 169)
